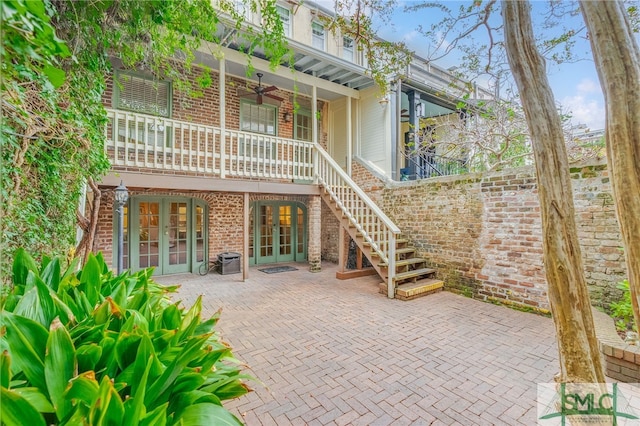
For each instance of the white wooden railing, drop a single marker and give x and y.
(371, 222)
(144, 141)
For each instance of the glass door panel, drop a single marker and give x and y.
(149, 238)
(266, 228)
(285, 234)
(176, 241)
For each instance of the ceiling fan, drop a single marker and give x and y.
(261, 91)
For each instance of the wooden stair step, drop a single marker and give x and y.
(404, 262)
(420, 288)
(403, 250)
(415, 273)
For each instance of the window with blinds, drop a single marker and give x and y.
(141, 94)
(257, 118)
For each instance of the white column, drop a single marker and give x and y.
(223, 118)
(349, 136)
(245, 230)
(314, 128)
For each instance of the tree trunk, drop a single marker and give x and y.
(568, 295)
(617, 58)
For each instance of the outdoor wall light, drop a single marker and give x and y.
(120, 198)
(287, 117)
(420, 110)
(384, 101)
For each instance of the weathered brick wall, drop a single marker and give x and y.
(330, 229)
(315, 230)
(483, 232)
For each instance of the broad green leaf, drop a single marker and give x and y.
(126, 348)
(16, 411)
(134, 407)
(188, 382)
(119, 295)
(27, 345)
(51, 274)
(46, 301)
(22, 264)
(232, 390)
(208, 414)
(162, 383)
(91, 279)
(83, 388)
(108, 408)
(55, 75)
(36, 398)
(5, 369)
(179, 402)
(161, 338)
(157, 417)
(88, 356)
(60, 365)
(192, 313)
(171, 318)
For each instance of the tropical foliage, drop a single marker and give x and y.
(89, 347)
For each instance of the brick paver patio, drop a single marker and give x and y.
(335, 352)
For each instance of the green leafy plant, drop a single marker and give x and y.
(90, 347)
(622, 310)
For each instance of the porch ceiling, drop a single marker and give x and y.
(334, 77)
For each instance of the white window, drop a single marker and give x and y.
(347, 48)
(141, 94)
(258, 118)
(317, 35)
(302, 126)
(285, 17)
(242, 9)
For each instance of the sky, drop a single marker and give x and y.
(576, 86)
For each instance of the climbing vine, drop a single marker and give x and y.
(56, 57)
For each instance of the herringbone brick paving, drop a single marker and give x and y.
(333, 352)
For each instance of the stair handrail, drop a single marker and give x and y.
(387, 255)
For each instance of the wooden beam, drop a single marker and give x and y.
(200, 183)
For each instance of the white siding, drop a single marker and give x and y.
(375, 135)
(338, 131)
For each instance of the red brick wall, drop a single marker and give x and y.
(205, 107)
(483, 232)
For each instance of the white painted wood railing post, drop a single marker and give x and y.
(223, 118)
(391, 269)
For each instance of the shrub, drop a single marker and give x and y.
(622, 310)
(89, 347)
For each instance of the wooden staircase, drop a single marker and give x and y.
(413, 277)
(405, 275)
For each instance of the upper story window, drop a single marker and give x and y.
(317, 35)
(242, 8)
(258, 118)
(347, 48)
(285, 16)
(138, 93)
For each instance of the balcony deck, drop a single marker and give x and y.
(139, 144)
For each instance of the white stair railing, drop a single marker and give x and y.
(369, 220)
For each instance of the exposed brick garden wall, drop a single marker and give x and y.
(483, 232)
